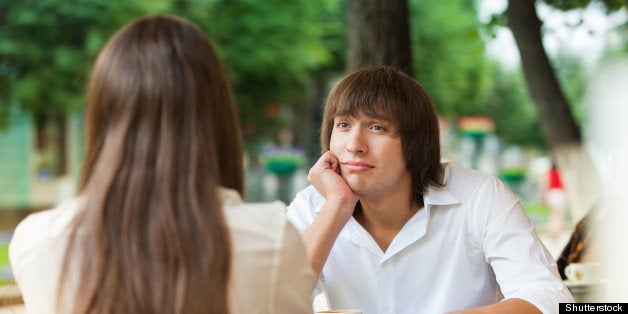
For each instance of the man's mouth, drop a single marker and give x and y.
(357, 166)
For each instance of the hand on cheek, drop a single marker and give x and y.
(325, 177)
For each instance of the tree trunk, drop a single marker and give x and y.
(379, 34)
(555, 116)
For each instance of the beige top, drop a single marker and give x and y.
(270, 273)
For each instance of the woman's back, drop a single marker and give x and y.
(270, 272)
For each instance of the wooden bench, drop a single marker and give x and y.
(10, 295)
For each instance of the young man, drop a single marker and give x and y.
(392, 230)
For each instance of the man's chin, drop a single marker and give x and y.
(356, 184)
(358, 189)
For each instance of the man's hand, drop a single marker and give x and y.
(326, 178)
(338, 208)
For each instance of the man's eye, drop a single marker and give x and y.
(378, 128)
(342, 124)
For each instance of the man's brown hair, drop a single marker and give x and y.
(388, 93)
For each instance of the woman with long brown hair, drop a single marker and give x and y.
(159, 225)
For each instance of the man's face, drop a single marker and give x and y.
(370, 154)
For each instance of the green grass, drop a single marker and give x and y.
(5, 272)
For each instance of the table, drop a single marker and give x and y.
(10, 295)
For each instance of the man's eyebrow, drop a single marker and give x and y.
(381, 118)
(378, 117)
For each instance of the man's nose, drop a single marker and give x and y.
(357, 142)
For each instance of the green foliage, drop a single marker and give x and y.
(509, 105)
(47, 48)
(334, 35)
(272, 51)
(449, 54)
(572, 76)
(565, 5)
(514, 113)
(570, 71)
(451, 63)
(269, 49)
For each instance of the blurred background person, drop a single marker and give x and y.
(159, 225)
(555, 197)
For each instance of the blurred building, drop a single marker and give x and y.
(29, 176)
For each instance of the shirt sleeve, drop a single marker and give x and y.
(27, 255)
(522, 265)
(301, 210)
(295, 277)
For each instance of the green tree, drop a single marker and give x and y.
(557, 120)
(450, 60)
(509, 105)
(379, 34)
(46, 48)
(270, 49)
(572, 76)
(447, 58)
(333, 28)
(449, 54)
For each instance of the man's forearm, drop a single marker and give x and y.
(320, 237)
(514, 306)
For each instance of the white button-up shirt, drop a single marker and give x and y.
(471, 245)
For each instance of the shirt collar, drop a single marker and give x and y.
(436, 195)
(439, 195)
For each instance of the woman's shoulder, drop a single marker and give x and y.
(260, 216)
(46, 224)
(38, 243)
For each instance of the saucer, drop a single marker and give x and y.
(581, 283)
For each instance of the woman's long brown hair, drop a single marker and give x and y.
(162, 135)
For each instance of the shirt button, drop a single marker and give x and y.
(385, 308)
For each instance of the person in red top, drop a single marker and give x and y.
(554, 181)
(556, 199)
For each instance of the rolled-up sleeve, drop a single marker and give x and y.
(522, 265)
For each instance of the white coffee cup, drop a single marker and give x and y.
(586, 272)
